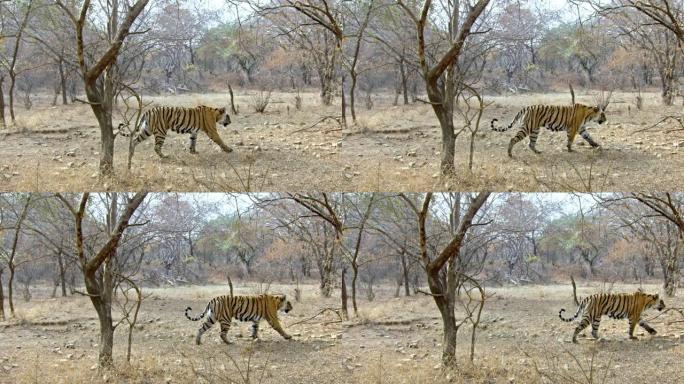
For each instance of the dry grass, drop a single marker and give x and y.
(57, 149)
(398, 149)
(394, 340)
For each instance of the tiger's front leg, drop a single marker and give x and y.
(647, 327)
(217, 139)
(275, 324)
(585, 135)
(571, 139)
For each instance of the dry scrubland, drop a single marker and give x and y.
(56, 149)
(391, 148)
(397, 148)
(394, 340)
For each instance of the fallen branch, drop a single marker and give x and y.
(678, 119)
(333, 310)
(337, 119)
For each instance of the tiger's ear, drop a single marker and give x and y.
(596, 109)
(222, 110)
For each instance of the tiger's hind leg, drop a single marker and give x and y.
(515, 140)
(647, 327)
(225, 327)
(255, 329)
(158, 143)
(632, 325)
(583, 324)
(193, 142)
(533, 140)
(595, 327)
(205, 327)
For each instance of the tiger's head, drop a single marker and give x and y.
(221, 116)
(282, 303)
(652, 301)
(599, 114)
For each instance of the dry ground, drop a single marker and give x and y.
(56, 149)
(397, 148)
(394, 340)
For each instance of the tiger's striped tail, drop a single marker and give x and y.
(579, 310)
(504, 128)
(201, 315)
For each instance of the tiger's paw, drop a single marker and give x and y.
(633, 338)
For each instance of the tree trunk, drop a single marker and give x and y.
(667, 78)
(63, 82)
(2, 298)
(355, 274)
(13, 79)
(326, 279)
(2, 104)
(344, 103)
(405, 273)
(102, 109)
(9, 288)
(62, 273)
(671, 274)
(404, 81)
(343, 294)
(352, 91)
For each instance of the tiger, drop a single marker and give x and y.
(616, 306)
(571, 119)
(222, 309)
(158, 120)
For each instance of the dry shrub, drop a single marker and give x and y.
(260, 101)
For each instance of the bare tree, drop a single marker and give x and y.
(100, 76)
(98, 268)
(442, 274)
(441, 77)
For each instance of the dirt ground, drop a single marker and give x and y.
(393, 340)
(57, 149)
(397, 149)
